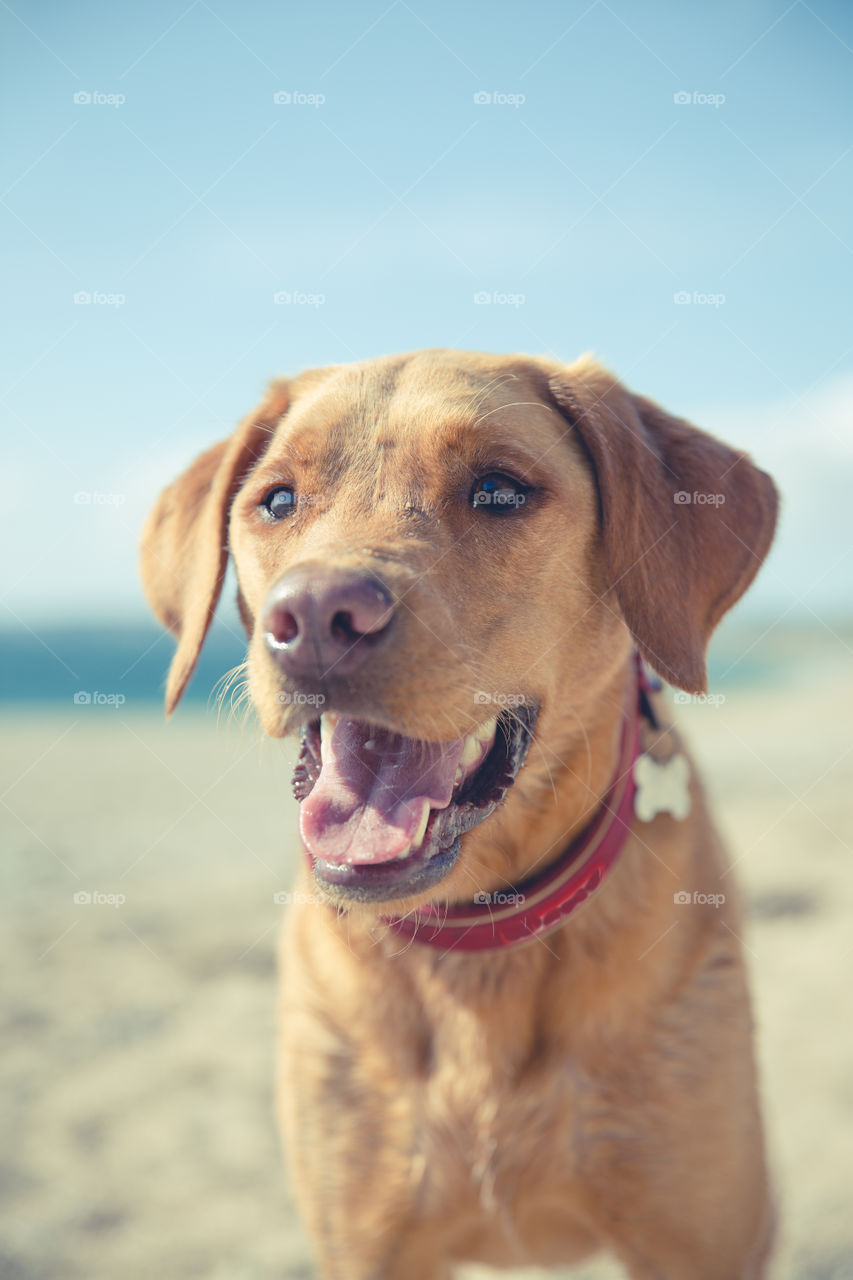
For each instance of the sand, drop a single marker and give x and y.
(138, 1136)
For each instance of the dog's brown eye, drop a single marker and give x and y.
(498, 494)
(279, 502)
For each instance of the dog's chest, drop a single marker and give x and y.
(499, 1149)
(490, 1119)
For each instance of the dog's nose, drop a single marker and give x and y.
(319, 621)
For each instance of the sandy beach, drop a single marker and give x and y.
(138, 1135)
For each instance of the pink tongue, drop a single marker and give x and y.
(367, 804)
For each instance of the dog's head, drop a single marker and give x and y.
(441, 557)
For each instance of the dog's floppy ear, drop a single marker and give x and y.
(686, 521)
(185, 540)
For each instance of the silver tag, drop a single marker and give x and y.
(662, 787)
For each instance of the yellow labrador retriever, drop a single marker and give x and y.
(515, 1025)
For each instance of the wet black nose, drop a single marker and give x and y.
(319, 621)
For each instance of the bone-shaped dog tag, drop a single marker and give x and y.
(662, 787)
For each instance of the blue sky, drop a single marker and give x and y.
(582, 199)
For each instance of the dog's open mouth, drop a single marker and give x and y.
(381, 814)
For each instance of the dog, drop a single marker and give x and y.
(515, 1023)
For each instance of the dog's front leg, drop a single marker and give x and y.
(349, 1123)
(354, 1259)
(356, 1217)
(672, 1252)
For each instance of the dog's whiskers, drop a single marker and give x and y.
(233, 685)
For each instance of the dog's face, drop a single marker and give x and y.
(441, 558)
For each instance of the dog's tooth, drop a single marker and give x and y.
(417, 839)
(472, 751)
(420, 831)
(486, 732)
(328, 720)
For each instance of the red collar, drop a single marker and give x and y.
(542, 903)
